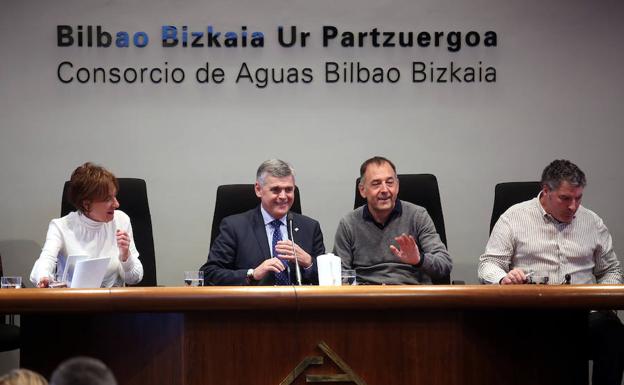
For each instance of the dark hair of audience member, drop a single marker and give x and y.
(82, 371)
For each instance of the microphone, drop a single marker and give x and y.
(567, 279)
(289, 218)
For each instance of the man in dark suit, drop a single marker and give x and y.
(253, 248)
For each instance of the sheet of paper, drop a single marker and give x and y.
(70, 265)
(89, 273)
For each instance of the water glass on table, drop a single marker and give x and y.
(57, 281)
(193, 278)
(11, 282)
(348, 277)
(537, 278)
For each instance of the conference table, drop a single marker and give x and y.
(375, 335)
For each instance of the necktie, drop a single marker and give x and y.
(281, 278)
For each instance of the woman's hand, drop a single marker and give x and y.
(123, 243)
(44, 282)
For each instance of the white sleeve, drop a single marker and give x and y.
(132, 268)
(46, 264)
(499, 251)
(607, 266)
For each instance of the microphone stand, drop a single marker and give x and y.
(292, 239)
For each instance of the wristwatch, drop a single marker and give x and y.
(250, 277)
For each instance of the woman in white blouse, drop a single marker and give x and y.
(96, 229)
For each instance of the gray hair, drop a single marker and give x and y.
(561, 170)
(82, 371)
(276, 168)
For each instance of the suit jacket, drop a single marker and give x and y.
(242, 244)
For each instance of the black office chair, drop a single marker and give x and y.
(422, 190)
(132, 196)
(238, 198)
(508, 194)
(9, 333)
(419, 189)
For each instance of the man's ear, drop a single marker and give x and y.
(545, 189)
(258, 189)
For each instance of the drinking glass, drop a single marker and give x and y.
(537, 278)
(57, 282)
(348, 277)
(11, 282)
(194, 278)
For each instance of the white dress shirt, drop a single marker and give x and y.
(529, 238)
(270, 229)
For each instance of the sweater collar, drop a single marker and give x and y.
(396, 212)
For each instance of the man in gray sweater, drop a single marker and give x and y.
(388, 241)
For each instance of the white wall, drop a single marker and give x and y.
(558, 94)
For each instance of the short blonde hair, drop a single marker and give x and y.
(22, 377)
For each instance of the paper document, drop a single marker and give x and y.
(70, 265)
(86, 273)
